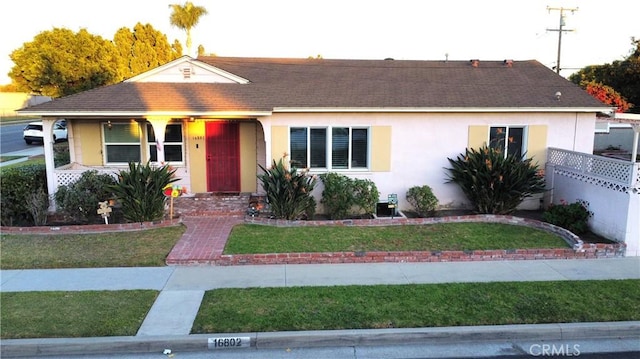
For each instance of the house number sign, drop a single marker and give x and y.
(229, 342)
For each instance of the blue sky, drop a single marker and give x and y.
(354, 29)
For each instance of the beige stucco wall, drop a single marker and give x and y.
(408, 149)
(421, 143)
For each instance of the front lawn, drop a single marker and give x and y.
(117, 249)
(74, 314)
(252, 238)
(414, 306)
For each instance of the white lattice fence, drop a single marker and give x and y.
(606, 172)
(64, 177)
(610, 186)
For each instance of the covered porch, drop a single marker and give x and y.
(210, 154)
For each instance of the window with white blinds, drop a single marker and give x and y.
(331, 148)
(121, 142)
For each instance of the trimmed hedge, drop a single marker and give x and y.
(17, 185)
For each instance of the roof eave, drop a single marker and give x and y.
(442, 109)
(94, 114)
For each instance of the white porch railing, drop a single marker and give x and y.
(619, 175)
(67, 174)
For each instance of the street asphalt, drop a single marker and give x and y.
(169, 321)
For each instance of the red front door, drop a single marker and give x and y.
(223, 156)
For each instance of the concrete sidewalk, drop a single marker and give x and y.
(24, 155)
(182, 289)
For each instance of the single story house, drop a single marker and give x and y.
(394, 122)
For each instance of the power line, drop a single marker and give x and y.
(560, 29)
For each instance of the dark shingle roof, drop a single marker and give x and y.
(323, 83)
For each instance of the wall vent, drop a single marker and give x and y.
(187, 72)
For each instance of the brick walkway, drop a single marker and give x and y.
(209, 220)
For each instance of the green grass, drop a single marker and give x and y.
(73, 314)
(409, 306)
(9, 158)
(34, 160)
(251, 238)
(117, 249)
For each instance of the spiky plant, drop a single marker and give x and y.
(493, 182)
(288, 190)
(139, 190)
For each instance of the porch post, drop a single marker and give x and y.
(159, 124)
(47, 136)
(266, 128)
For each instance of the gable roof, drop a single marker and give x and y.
(281, 85)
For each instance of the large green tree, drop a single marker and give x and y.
(142, 49)
(186, 17)
(622, 76)
(61, 62)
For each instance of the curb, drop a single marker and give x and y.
(330, 338)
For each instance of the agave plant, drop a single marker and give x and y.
(493, 182)
(288, 191)
(139, 190)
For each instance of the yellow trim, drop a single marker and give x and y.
(279, 142)
(537, 143)
(478, 136)
(248, 158)
(197, 155)
(381, 148)
(90, 133)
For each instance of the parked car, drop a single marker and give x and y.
(33, 132)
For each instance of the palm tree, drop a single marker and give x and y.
(185, 17)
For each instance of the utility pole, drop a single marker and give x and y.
(560, 29)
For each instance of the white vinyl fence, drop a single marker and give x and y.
(611, 187)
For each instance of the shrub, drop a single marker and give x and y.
(337, 195)
(423, 200)
(17, 184)
(79, 200)
(573, 217)
(494, 183)
(38, 205)
(342, 193)
(288, 191)
(139, 191)
(365, 195)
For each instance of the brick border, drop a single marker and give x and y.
(91, 228)
(578, 249)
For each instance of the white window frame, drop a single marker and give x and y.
(329, 148)
(141, 143)
(107, 126)
(523, 146)
(181, 143)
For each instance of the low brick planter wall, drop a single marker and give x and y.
(90, 228)
(578, 249)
